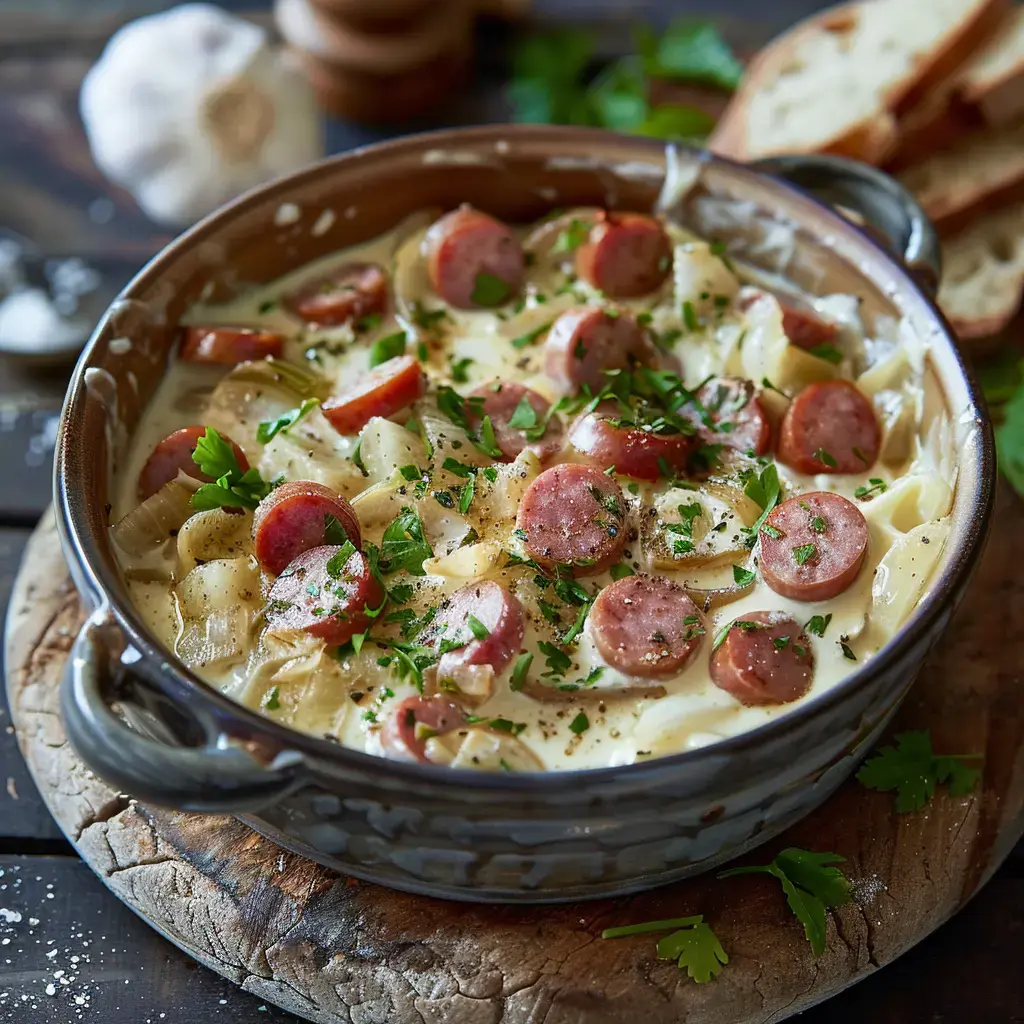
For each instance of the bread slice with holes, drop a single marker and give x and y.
(839, 81)
(988, 92)
(983, 275)
(978, 175)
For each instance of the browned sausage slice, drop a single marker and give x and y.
(764, 658)
(351, 292)
(583, 343)
(646, 626)
(830, 427)
(480, 624)
(813, 546)
(174, 453)
(382, 391)
(296, 517)
(416, 720)
(323, 598)
(805, 329)
(738, 417)
(573, 515)
(473, 260)
(500, 400)
(626, 255)
(228, 346)
(633, 451)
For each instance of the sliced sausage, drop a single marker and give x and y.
(764, 658)
(813, 546)
(382, 391)
(499, 400)
(830, 427)
(805, 329)
(416, 720)
(496, 610)
(583, 343)
(294, 518)
(174, 453)
(633, 451)
(351, 292)
(738, 418)
(473, 260)
(229, 346)
(626, 255)
(573, 515)
(646, 626)
(326, 600)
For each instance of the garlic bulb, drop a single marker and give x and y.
(190, 107)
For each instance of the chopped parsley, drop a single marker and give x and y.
(827, 352)
(489, 291)
(570, 238)
(524, 415)
(334, 532)
(742, 577)
(270, 699)
(690, 316)
(477, 628)
(620, 571)
(388, 347)
(878, 486)
(804, 553)
(215, 457)
(817, 624)
(580, 724)
(557, 661)
(519, 671)
(825, 458)
(531, 336)
(269, 429)
(460, 369)
(403, 545)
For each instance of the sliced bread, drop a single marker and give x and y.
(979, 174)
(837, 82)
(987, 92)
(983, 275)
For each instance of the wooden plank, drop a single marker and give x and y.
(23, 815)
(126, 974)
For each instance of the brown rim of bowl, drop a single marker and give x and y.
(154, 660)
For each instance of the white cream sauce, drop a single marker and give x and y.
(311, 690)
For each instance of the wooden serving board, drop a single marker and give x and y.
(334, 950)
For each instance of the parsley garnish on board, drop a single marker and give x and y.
(551, 81)
(215, 457)
(692, 944)
(913, 770)
(811, 883)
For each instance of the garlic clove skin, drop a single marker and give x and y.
(191, 107)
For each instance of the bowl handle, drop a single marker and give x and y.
(219, 776)
(886, 206)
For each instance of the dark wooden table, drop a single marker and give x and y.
(68, 950)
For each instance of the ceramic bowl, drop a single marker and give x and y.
(175, 741)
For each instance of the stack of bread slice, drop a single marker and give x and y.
(934, 93)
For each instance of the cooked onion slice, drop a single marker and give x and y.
(151, 523)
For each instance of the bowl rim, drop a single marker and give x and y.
(155, 663)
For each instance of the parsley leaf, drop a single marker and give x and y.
(878, 486)
(334, 532)
(522, 666)
(692, 51)
(460, 369)
(524, 416)
(580, 724)
(477, 628)
(804, 553)
(215, 457)
(452, 405)
(403, 545)
(817, 624)
(558, 662)
(766, 490)
(743, 577)
(694, 946)
(270, 699)
(466, 494)
(531, 336)
(269, 429)
(913, 769)
(571, 238)
(489, 290)
(826, 458)
(577, 627)
(811, 883)
(486, 441)
(386, 348)
(621, 570)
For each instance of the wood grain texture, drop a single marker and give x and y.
(332, 950)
